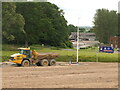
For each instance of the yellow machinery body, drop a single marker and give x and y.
(18, 57)
(27, 57)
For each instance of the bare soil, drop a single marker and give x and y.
(85, 75)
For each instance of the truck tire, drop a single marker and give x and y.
(44, 62)
(25, 63)
(52, 62)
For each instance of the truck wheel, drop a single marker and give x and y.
(52, 62)
(25, 63)
(44, 62)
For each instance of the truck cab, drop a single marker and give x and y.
(20, 58)
(28, 53)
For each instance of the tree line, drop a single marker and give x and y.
(34, 23)
(44, 23)
(106, 24)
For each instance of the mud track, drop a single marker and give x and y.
(85, 75)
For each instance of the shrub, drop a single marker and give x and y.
(69, 44)
(63, 45)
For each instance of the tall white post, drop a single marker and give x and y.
(78, 41)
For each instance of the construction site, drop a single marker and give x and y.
(30, 69)
(63, 75)
(59, 44)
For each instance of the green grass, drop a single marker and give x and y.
(6, 47)
(6, 55)
(85, 55)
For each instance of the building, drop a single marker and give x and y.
(83, 36)
(85, 40)
(115, 42)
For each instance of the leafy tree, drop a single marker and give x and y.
(105, 24)
(118, 24)
(92, 30)
(12, 23)
(72, 28)
(44, 23)
(34, 23)
(82, 30)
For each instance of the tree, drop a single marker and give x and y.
(12, 24)
(105, 24)
(82, 30)
(44, 23)
(72, 28)
(92, 30)
(118, 25)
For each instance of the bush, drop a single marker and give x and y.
(69, 44)
(63, 45)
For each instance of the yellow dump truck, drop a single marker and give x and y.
(26, 57)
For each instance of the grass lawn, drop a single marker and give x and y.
(85, 55)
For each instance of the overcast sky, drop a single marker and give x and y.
(83, 9)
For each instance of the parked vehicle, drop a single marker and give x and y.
(106, 49)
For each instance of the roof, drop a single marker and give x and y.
(24, 48)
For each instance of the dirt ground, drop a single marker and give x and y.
(84, 75)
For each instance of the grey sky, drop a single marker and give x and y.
(83, 9)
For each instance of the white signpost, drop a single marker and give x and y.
(78, 41)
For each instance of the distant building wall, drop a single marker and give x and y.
(115, 42)
(83, 36)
